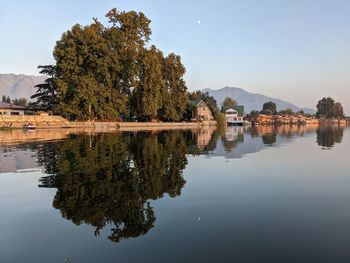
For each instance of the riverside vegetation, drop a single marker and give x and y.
(112, 72)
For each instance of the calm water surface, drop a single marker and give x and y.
(266, 194)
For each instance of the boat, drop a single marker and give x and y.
(29, 126)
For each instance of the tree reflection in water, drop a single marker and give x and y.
(327, 136)
(109, 179)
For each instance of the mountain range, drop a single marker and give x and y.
(22, 86)
(19, 86)
(252, 101)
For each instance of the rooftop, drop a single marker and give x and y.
(195, 102)
(4, 105)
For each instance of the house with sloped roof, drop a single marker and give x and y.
(11, 109)
(201, 111)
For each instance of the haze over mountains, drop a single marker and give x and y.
(252, 101)
(19, 86)
(22, 86)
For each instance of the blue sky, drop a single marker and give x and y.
(297, 50)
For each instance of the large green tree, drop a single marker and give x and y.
(338, 111)
(269, 108)
(46, 94)
(150, 85)
(174, 94)
(109, 71)
(328, 108)
(86, 85)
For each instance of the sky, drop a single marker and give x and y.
(296, 50)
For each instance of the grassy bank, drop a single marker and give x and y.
(6, 128)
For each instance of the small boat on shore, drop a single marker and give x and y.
(29, 126)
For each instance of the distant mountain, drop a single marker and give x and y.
(252, 101)
(22, 86)
(19, 86)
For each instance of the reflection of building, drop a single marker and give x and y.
(233, 118)
(11, 109)
(201, 111)
(231, 133)
(204, 136)
(240, 141)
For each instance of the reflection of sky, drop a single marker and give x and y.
(13, 160)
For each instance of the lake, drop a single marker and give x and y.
(257, 194)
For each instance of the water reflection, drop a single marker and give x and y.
(328, 136)
(108, 180)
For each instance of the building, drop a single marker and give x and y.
(233, 117)
(11, 109)
(238, 108)
(201, 111)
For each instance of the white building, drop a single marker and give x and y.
(232, 117)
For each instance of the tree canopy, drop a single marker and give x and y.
(269, 108)
(46, 95)
(110, 71)
(287, 111)
(19, 102)
(329, 109)
(229, 103)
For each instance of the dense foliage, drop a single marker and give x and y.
(46, 95)
(269, 108)
(229, 103)
(329, 109)
(107, 72)
(19, 102)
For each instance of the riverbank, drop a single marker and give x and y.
(262, 119)
(57, 122)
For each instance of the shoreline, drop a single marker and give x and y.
(8, 122)
(42, 122)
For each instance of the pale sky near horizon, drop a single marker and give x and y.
(296, 50)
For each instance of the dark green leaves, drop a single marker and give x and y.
(108, 72)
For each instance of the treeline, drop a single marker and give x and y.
(326, 108)
(111, 71)
(19, 102)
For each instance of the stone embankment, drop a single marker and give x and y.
(54, 122)
(39, 121)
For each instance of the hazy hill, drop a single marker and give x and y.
(19, 86)
(252, 101)
(22, 86)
